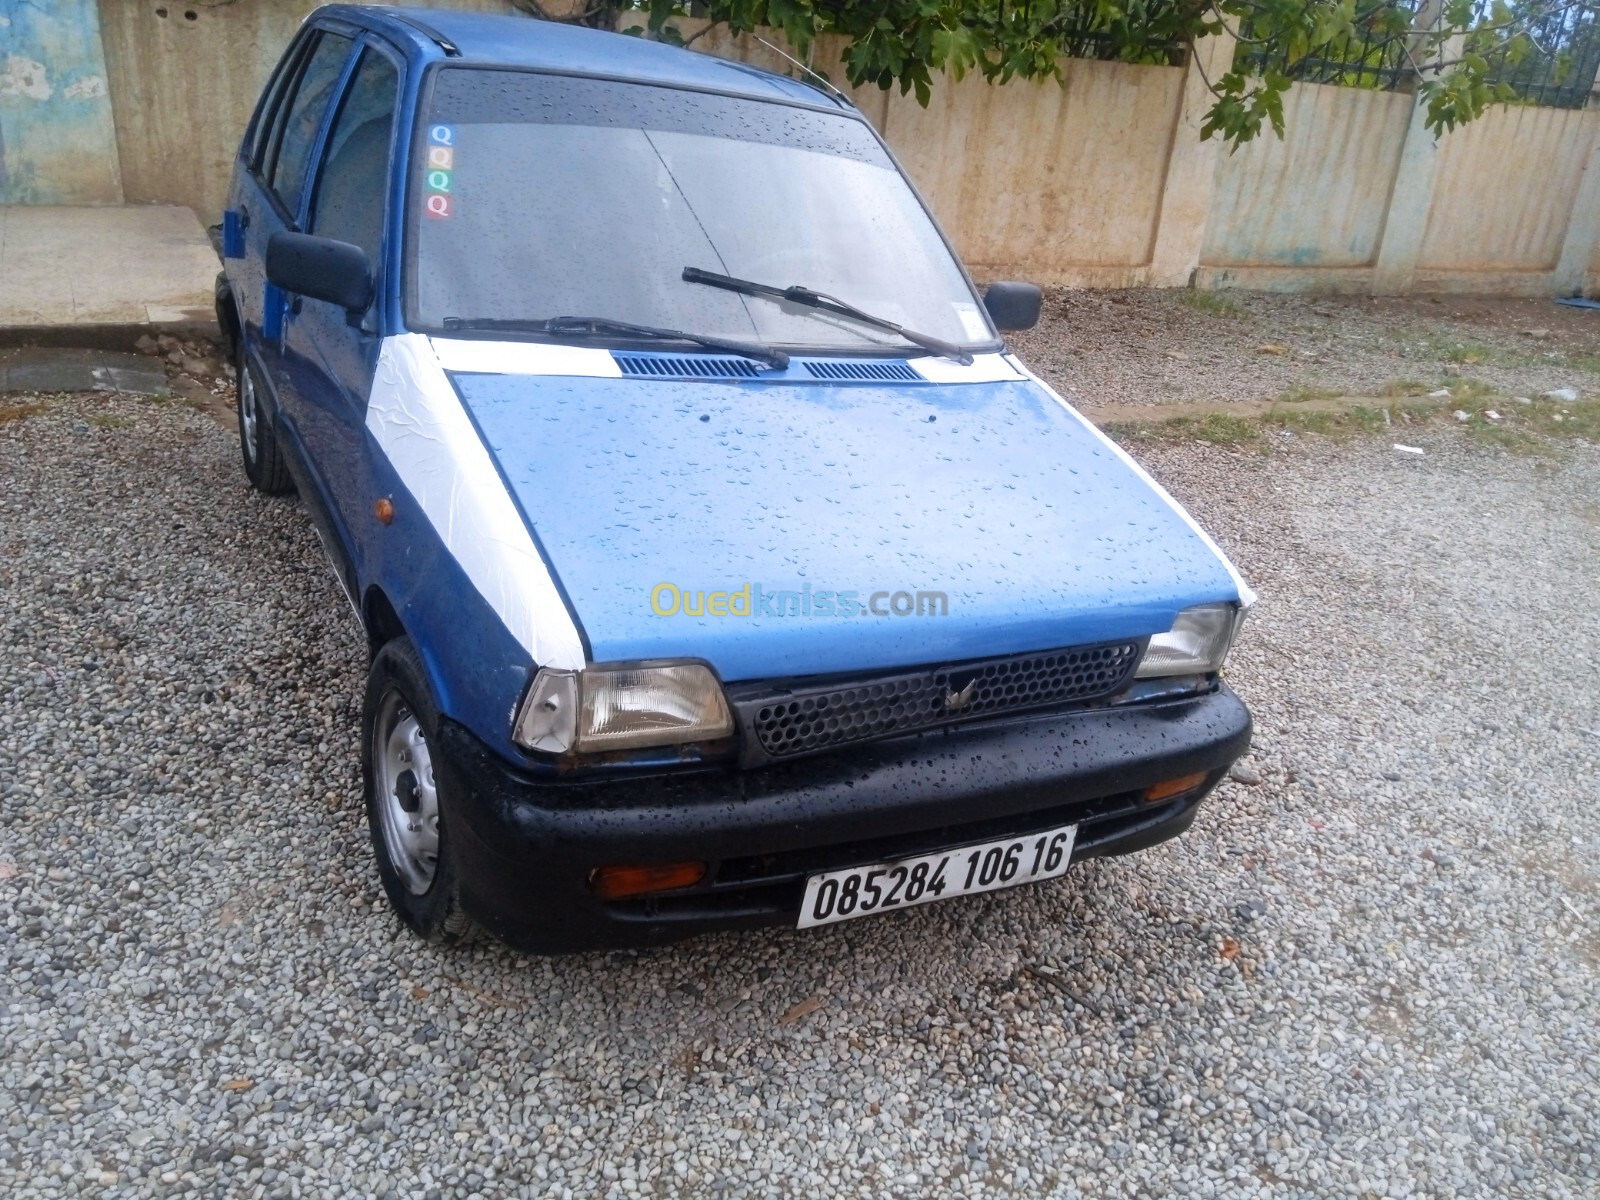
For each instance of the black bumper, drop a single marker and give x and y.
(524, 848)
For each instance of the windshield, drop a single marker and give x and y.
(542, 196)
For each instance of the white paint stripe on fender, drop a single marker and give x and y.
(984, 368)
(1247, 595)
(524, 358)
(418, 421)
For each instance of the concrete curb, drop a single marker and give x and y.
(104, 337)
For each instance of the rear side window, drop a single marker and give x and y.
(266, 118)
(349, 200)
(302, 117)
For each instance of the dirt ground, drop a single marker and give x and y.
(1164, 347)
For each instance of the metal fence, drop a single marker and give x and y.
(1370, 58)
(1553, 66)
(1556, 66)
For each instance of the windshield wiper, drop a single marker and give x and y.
(776, 359)
(796, 294)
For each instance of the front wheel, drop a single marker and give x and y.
(407, 810)
(258, 444)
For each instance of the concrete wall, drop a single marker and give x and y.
(185, 75)
(1046, 180)
(56, 140)
(1101, 181)
(1104, 182)
(1505, 191)
(1318, 197)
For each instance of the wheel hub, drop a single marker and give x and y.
(406, 792)
(408, 799)
(247, 411)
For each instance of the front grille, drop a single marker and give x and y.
(805, 719)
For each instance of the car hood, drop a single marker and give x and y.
(1039, 532)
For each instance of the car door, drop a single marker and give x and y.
(330, 354)
(271, 192)
(247, 221)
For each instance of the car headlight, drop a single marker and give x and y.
(622, 708)
(1197, 643)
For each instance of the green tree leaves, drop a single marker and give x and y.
(1452, 61)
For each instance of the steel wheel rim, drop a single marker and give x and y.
(408, 799)
(247, 412)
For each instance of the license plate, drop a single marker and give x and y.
(862, 891)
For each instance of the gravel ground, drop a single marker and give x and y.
(1371, 973)
(1155, 346)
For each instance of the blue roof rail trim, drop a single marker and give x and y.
(451, 50)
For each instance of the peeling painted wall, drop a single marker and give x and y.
(1318, 195)
(57, 143)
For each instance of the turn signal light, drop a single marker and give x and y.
(1168, 788)
(613, 883)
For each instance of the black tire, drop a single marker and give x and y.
(258, 445)
(399, 706)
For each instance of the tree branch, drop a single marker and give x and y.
(700, 33)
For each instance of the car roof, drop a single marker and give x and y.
(491, 39)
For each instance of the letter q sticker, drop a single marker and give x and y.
(439, 169)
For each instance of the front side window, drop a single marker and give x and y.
(353, 184)
(309, 104)
(540, 196)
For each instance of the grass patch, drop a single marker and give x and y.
(1328, 422)
(1584, 361)
(1460, 388)
(1475, 354)
(1471, 353)
(1509, 438)
(1580, 419)
(1219, 429)
(1467, 390)
(1535, 430)
(1399, 388)
(1300, 393)
(1213, 304)
(19, 412)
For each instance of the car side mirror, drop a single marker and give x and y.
(322, 268)
(1013, 306)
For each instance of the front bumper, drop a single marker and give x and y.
(523, 849)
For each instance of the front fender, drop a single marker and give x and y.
(477, 670)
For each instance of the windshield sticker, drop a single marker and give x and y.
(439, 165)
(971, 321)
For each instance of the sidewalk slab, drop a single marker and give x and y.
(91, 269)
(63, 370)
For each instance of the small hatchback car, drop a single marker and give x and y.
(719, 564)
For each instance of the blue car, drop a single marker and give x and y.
(720, 566)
